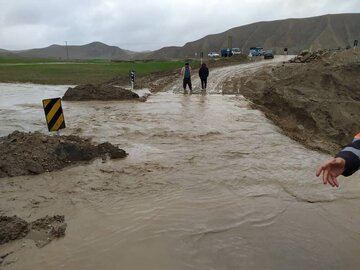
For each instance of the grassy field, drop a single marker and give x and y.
(47, 71)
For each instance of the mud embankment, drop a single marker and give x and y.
(98, 92)
(35, 153)
(316, 103)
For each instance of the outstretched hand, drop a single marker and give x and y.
(331, 169)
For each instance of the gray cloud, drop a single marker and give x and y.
(143, 24)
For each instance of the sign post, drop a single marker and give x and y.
(132, 78)
(54, 114)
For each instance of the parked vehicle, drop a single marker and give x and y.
(235, 51)
(268, 55)
(213, 54)
(226, 52)
(257, 51)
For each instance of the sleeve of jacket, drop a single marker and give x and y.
(351, 154)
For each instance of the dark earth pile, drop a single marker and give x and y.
(45, 229)
(34, 153)
(307, 56)
(98, 92)
(12, 228)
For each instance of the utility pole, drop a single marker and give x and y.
(230, 42)
(67, 50)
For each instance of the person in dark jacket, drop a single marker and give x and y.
(345, 163)
(203, 74)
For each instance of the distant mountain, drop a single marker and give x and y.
(5, 53)
(94, 50)
(328, 31)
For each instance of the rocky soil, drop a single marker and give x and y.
(307, 56)
(42, 230)
(35, 153)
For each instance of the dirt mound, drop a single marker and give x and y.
(307, 56)
(42, 230)
(316, 103)
(35, 153)
(98, 92)
(12, 228)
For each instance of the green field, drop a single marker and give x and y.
(47, 71)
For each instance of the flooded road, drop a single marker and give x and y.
(209, 183)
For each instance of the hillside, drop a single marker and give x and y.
(94, 50)
(328, 31)
(6, 54)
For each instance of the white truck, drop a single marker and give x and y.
(213, 54)
(236, 51)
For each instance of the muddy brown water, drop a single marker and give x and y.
(209, 183)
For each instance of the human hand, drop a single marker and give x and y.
(331, 169)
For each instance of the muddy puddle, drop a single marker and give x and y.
(209, 183)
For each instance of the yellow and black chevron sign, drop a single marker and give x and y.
(54, 114)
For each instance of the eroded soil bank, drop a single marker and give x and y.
(316, 103)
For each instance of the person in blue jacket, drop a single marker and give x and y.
(345, 163)
(186, 73)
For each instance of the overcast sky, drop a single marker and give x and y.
(143, 24)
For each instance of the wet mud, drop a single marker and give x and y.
(42, 230)
(36, 153)
(98, 92)
(315, 100)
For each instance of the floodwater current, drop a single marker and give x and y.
(209, 183)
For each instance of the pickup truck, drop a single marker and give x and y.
(257, 51)
(213, 54)
(235, 51)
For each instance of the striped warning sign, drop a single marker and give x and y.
(54, 114)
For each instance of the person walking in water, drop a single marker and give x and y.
(203, 74)
(186, 73)
(345, 163)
